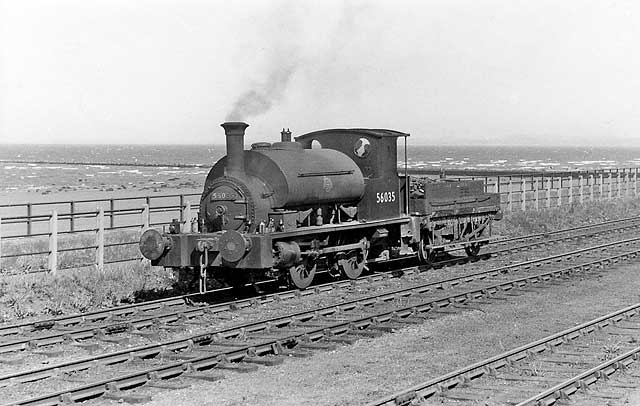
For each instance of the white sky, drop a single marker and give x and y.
(515, 72)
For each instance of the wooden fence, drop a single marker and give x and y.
(529, 192)
(31, 219)
(99, 230)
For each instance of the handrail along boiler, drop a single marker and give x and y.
(331, 199)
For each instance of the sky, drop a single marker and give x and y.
(450, 72)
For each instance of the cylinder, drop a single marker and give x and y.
(234, 132)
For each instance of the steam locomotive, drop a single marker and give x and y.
(330, 200)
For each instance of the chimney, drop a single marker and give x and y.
(235, 147)
(286, 135)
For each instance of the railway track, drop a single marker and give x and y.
(240, 347)
(137, 319)
(543, 372)
(108, 320)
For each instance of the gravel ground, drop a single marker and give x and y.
(371, 368)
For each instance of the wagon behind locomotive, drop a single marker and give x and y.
(332, 199)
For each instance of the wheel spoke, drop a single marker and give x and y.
(302, 275)
(352, 265)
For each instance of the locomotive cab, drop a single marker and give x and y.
(375, 153)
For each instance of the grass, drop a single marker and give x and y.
(530, 222)
(610, 351)
(74, 291)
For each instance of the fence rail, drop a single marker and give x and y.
(67, 219)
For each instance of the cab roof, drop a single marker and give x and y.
(371, 132)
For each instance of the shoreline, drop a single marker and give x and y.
(152, 165)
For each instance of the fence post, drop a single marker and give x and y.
(600, 197)
(635, 182)
(510, 196)
(182, 209)
(524, 194)
(627, 184)
(29, 214)
(100, 239)
(591, 180)
(53, 242)
(571, 189)
(581, 189)
(111, 218)
(610, 185)
(619, 185)
(535, 194)
(144, 221)
(560, 192)
(186, 215)
(549, 186)
(72, 210)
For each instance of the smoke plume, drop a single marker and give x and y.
(260, 99)
(290, 51)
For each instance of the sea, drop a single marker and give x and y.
(53, 168)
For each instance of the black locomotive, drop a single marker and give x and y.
(331, 199)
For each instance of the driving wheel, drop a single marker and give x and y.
(472, 250)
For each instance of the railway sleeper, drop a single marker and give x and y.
(182, 355)
(560, 361)
(239, 367)
(533, 378)
(19, 360)
(623, 386)
(227, 343)
(158, 383)
(203, 376)
(172, 327)
(283, 334)
(120, 396)
(49, 353)
(101, 336)
(264, 360)
(461, 395)
(296, 353)
(443, 310)
(343, 339)
(149, 335)
(598, 393)
(408, 320)
(316, 345)
(386, 327)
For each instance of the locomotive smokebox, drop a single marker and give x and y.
(235, 147)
